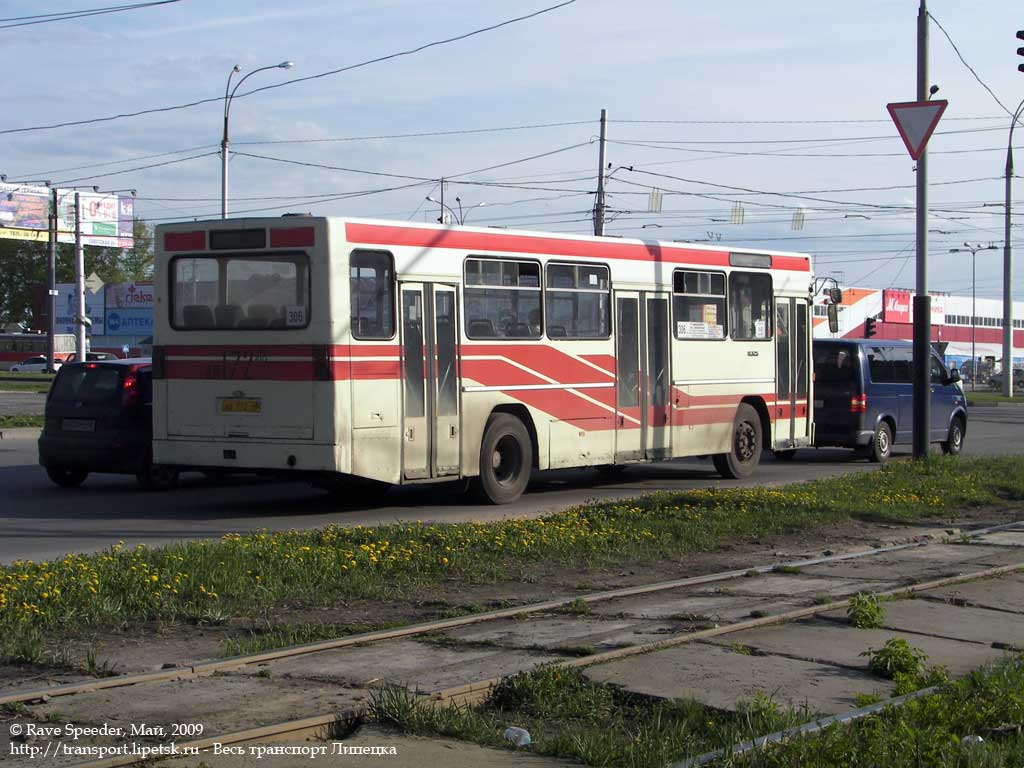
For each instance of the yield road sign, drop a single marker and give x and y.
(915, 120)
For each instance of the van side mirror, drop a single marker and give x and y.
(833, 318)
(954, 376)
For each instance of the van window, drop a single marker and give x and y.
(891, 365)
(835, 363)
(87, 385)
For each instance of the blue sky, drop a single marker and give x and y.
(772, 97)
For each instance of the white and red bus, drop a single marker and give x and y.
(18, 347)
(412, 353)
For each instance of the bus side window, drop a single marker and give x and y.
(750, 301)
(372, 291)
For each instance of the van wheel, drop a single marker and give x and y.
(955, 442)
(505, 460)
(881, 444)
(156, 477)
(66, 477)
(745, 455)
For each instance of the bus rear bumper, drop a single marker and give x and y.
(236, 455)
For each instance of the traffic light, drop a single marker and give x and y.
(1020, 51)
(869, 328)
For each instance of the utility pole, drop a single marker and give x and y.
(51, 282)
(79, 281)
(1008, 261)
(922, 301)
(599, 205)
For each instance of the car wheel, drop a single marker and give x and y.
(157, 477)
(955, 442)
(881, 444)
(787, 455)
(66, 477)
(506, 456)
(745, 455)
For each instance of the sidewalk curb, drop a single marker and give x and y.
(20, 433)
(994, 405)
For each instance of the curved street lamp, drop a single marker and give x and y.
(229, 94)
(462, 216)
(973, 250)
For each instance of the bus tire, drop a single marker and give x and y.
(745, 454)
(156, 477)
(505, 460)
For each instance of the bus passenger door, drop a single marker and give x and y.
(657, 377)
(430, 376)
(792, 375)
(628, 421)
(445, 390)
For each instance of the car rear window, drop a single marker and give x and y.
(834, 363)
(88, 385)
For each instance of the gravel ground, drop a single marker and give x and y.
(14, 403)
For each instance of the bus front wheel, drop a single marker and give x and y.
(505, 460)
(745, 453)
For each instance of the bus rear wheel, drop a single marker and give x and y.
(745, 454)
(505, 460)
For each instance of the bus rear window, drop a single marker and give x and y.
(240, 292)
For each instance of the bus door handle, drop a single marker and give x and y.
(409, 434)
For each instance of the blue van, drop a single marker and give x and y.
(863, 397)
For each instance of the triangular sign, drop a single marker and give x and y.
(915, 120)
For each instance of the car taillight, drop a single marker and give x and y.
(859, 404)
(130, 390)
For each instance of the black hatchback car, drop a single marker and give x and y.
(99, 418)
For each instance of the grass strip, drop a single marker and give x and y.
(973, 398)
(973, 722)
(10, 421)
(256, 574)
(569, 716)
(7, 385)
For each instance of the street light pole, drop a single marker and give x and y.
(974, 312)
(229, 94)
(1008, 265)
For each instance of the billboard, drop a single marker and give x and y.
(896, 306)
(129, 309)
(67, 310)
(129, 322)
(106, 219)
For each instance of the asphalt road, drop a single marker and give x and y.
(39, 520)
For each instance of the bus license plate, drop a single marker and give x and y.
(241, 405)
(78, 425)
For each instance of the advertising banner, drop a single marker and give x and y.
(67, 310)
(896, 306)
(106, 219)
(129, 296)
(24, 207)
(129, 322)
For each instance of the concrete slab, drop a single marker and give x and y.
(426, 666)
(719, 677)
(412, 752)
(542, 631)
(976, 625)
(1006, 538)
(826, 642)
(1003, 594)
(923, 564)
(788, 585)
(684, 606)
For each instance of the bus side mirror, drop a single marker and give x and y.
(833, 318)
(835, 295)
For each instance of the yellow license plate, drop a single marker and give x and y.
(239, 405)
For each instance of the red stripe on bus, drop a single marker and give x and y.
(383, 234)
(219, 350)
(543, 359)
